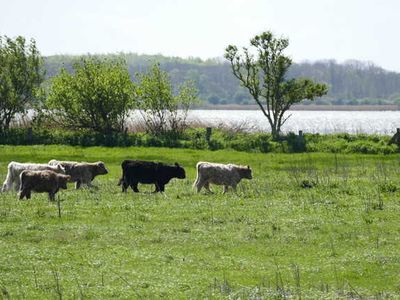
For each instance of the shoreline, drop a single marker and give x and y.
(311, 107)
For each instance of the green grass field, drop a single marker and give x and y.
(275, 238)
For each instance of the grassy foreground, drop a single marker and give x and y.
(307, 226)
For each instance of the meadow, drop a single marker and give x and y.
(309, 225)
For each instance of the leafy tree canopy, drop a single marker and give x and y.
(262, 70)
(97, 95)
(162, 108)
(21, 75)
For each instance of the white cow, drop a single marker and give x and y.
(16, 168)
(220, 174)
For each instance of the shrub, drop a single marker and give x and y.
(196, 139)
(160, 108)
(96, 96)
(21, 74)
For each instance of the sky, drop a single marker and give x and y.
(366, 30)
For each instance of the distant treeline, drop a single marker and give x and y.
(353, 82)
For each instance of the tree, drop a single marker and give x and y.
(21, 75)
(161, 108)
(98, 95)
(263, 74)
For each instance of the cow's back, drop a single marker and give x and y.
(142, 171)
(39, 181)
(217, 173)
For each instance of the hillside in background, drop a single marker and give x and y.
(353, 82)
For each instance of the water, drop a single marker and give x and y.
(379, 122)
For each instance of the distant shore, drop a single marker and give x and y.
(312, 107)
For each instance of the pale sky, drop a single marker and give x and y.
(365, 30)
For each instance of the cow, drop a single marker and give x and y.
(42, 182)
(220, 174)
(81, 172)
(16, 168)
(148, 172)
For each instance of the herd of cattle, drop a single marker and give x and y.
(50, 177)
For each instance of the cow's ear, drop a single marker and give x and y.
(248, 167)
(176, 164)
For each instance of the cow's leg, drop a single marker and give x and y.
(17, 184)
(89, 184)
(225, 189)
(234, 188)
(207, 186)
(52, 196)
(124, 186)
(7, 185)
(22, 194)
(162, 188)
(200, 184)
(134, 186)
(87, 180)
(77, 184)
(28, 194)
(198, 187)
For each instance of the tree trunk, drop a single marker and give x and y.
(275, 131)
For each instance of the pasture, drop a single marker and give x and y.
(307, 226)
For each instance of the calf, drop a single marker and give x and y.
(42, 182)
(148, 172)
(15, 169)
(220, 174)
(81, 172)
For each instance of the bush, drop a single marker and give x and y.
(96, 96)
(196, 139)
(163, 111)
(21, 74)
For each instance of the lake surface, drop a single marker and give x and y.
(380, 122)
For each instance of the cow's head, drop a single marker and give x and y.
(62, 181)
(68, 167)
(101, 168)
(60, 169)
(245, 172)
(179, 171)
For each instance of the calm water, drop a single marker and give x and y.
(381, 122)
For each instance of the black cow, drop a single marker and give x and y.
(139, 171)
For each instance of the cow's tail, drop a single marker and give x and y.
(123, 167)
(197, 181)
(7, 185)
(22, 177)
(122, 180)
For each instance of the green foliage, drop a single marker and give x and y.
(161, 109)
(265, 77)
(21, 74)
(350, 143)
(307, 226)
(196, 139)
(97, 95)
